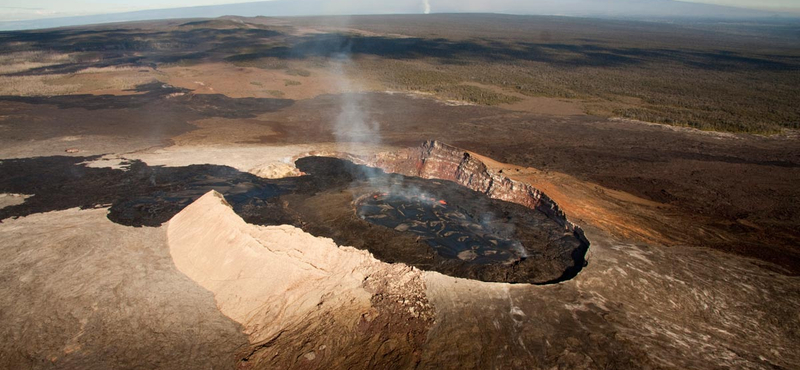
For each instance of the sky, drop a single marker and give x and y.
(13, 10)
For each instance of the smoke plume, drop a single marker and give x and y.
(427, 6)
(353, 129)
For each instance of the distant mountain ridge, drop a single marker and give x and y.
(640, 9)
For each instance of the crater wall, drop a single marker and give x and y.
(437, 160)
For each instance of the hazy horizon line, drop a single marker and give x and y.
(216, 11)
(794, 10)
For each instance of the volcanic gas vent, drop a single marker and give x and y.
(450, 230)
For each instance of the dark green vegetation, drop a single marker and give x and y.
(740, 78)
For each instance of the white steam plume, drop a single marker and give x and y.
(353, 128)
(427, 4)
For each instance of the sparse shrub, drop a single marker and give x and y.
(263, 63)
(474, 94)
(27, 60)
(34, 86)
(298, 72)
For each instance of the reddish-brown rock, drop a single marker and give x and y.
(436, 160)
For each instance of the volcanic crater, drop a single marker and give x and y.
(436, 224)
(434, 207)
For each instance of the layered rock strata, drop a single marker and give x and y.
(436, 160)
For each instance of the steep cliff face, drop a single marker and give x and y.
(436, 160)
